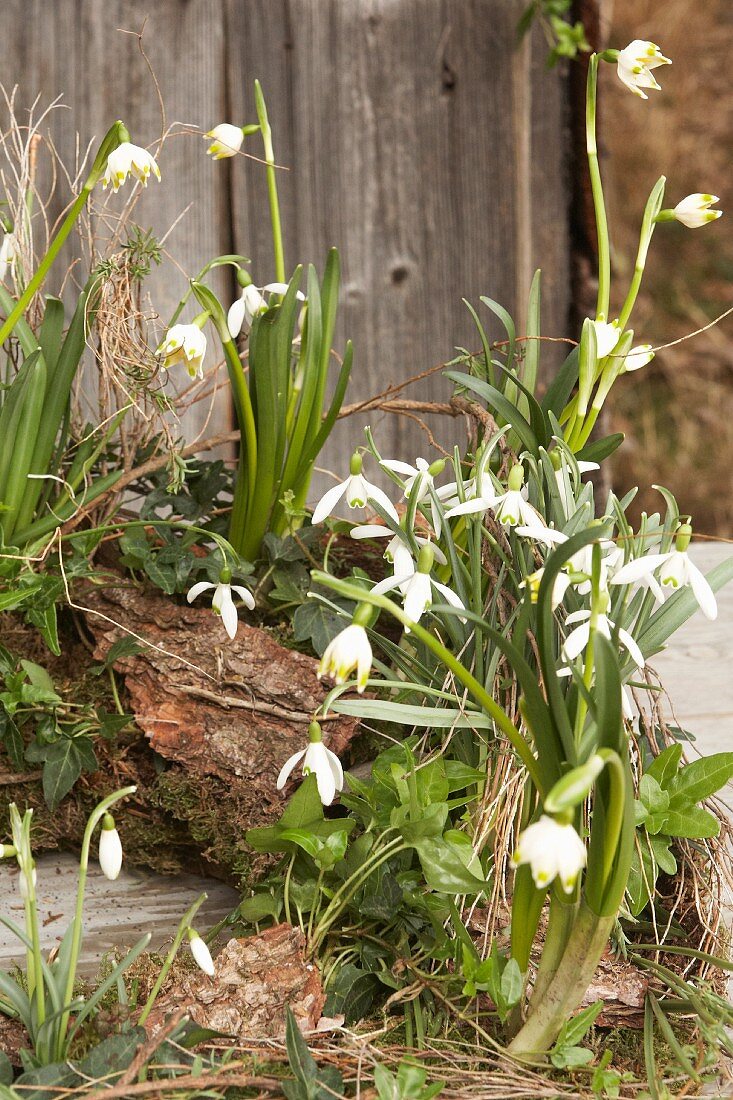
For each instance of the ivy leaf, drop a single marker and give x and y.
(315, 623)
(62, 767)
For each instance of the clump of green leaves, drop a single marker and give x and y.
(566, 39)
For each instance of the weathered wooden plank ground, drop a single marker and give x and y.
(695, 671)
(417, 136)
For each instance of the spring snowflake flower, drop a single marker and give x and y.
(200, 952)
(695, 211)
(607, 336)
(125, 160)
(110, 849)
(578, 639)
(251, 302)
(420, 479)
(634, 65)
(552, 851)
(349, 650)
(222, 601)
(416, 588)
(674, 570)
(227, 140)
(184, 344)
(8, 255)
(318, 761)
(357, 491)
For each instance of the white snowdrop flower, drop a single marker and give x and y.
(552, 851)
(694, 210)
(226, 140)
(128, 159)
(8, 255)
(559, 587)
(578, 639)
(252, 301)
(634, 65)
(607, 336)
(416, 588)
(184, 344)
(110, 849)
(349, 650)
(397, 552)
(318, 761)
(675, 570)
(638, 357)
(613, 564)
(419, 480)
(357, 491)
(222, 602)
(201, 953)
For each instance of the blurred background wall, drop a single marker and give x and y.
(417, 135)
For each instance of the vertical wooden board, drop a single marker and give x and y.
(398, 123)
(76, 48)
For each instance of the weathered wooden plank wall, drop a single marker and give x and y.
(419, 139)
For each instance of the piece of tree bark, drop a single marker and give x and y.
(232, 709)
(254, 980)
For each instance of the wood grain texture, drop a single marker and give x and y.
(418, 139)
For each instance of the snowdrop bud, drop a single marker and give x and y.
(110, 849)
(574, 787)
(227, 141)
(201, 953)
(694, 211)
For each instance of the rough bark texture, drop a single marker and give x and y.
(254, 981)
(234, 710)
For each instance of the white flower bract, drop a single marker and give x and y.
(349, 650)
(552, 851)
(128, 159)
(201, 953)
(226, 140)
(222, 601)
(318, 761)
(184, 344)
(635, 63)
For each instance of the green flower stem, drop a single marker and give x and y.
(183, 927)
(645, 236)
(111, 140)
(94, 818)
(560, 924)
(245, 486)
(604, 251)
(477, 690)
(277, 237)
(587, 940)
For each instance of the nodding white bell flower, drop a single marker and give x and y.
(128, 159)
(397, 551)
(416, 588)
(420, 479)
(613, 564)
(511, 508)
(578, 639)
(638, 357)
(201, 953)
(110, 849)
(251, 302)
(8, 255)
(184, 344)
(349, 650)
(318, 761)
(694, 211)
(222, 602)
(634, 65)
(563, 476)
(552, 851)
(674, 570)
(226, 140)
(357, 491)
(607, 336)
(579, 564)
(560, 586)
